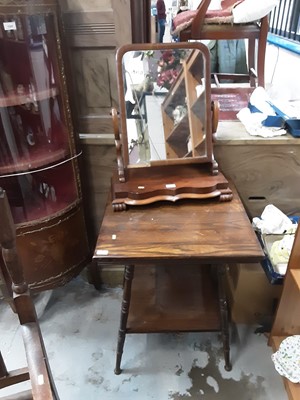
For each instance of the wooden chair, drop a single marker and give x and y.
(38, 371)
(218, 25)
(5, 286)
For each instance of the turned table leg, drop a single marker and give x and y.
(128, 276)
(224, 317)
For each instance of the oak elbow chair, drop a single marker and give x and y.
(38, 371)
(204, 24)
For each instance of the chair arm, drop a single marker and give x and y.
(39, 372)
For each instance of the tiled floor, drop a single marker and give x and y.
(80, 325)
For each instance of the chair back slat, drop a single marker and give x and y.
(7, 227)
(8, 244)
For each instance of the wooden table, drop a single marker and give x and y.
(173, 247)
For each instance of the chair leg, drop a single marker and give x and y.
(251, 61)
(262, 44)
(5, 286)
(3, 370)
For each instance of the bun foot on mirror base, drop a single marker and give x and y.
(119, 206)
(226, 195)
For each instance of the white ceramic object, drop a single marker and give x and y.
(287, 358)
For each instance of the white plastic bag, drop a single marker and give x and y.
(252, 10)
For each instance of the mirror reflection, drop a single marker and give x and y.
(165, 104)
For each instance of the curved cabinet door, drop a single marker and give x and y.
(38, 157)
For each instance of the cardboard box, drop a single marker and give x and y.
(251, 297)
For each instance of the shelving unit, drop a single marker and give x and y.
(287, 320)
(173, 299)
(186, 138)
(38, 154)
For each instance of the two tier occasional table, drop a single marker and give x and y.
(175, 257)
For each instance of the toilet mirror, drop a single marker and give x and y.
(165, 106)
(163, 128)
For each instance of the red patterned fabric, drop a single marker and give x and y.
(218, 13)
(227, 14)
(184, 18)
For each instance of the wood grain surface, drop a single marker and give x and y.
(190, 230)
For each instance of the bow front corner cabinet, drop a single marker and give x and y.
(38, 154)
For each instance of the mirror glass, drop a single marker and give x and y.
(165, 103)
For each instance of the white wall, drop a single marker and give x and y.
(282, 73)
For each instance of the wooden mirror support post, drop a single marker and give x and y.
(163, 137)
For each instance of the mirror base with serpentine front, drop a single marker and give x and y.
(164, 141)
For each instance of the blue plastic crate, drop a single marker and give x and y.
(274, 277)
(291, 124)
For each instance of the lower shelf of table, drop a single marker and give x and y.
(174, 298)
(293, 389)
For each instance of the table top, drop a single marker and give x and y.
(197, 231)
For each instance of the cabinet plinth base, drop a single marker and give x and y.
(168, 184)
(51, 256)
